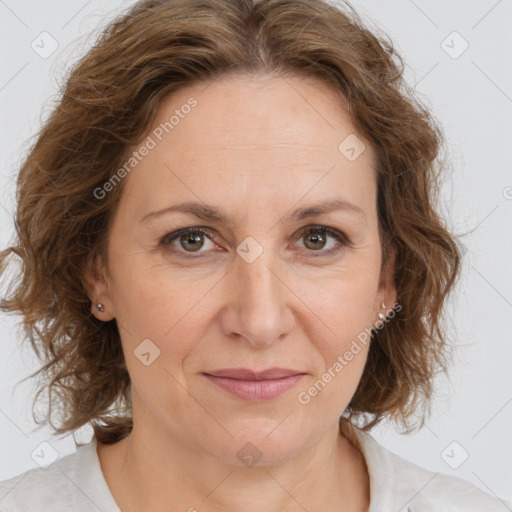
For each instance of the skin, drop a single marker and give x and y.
(257, 148)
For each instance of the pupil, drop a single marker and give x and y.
(190, 239)
(318, 237)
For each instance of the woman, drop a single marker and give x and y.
(232, 266)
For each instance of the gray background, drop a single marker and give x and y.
(469, 91)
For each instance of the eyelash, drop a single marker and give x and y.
(338, 235)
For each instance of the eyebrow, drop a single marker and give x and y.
(212, 213)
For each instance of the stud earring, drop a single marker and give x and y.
(382, 305)
(100, 307)
(381, 316)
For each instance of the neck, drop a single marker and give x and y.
(330, 475)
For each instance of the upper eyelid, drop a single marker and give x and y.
(334, 232)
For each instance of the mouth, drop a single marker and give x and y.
(255, 386)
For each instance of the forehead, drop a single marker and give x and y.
(244, 136)
(255, 114)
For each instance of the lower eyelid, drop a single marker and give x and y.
(339, 236)
(171, 237)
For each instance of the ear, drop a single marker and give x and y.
(97, 284)
(387, 293)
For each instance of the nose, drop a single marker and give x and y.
(259, 309)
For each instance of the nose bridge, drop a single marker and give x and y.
(259, 309)
(259, 278)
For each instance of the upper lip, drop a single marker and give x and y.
(247, 374)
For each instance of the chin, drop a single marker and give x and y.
(269, 445)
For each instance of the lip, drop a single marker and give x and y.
(248, 374)
(255, 386)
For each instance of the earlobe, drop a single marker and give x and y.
(97, 285)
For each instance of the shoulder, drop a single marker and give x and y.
(39, 488)
(426, 490)
(73, 482)
(398, 484)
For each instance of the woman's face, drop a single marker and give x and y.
(255, 290)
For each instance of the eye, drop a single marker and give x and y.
(316, 237)
(191, 240)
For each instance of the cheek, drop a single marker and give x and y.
(167, 310)
(343, 352)
(161, 321)
(140, 303)
(344, 307)
(146, 298)
(341, 332)
(175, 308)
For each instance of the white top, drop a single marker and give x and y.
(76, 483)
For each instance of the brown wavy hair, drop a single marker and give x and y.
(107, 103)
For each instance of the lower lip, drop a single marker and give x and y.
(256, 390)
